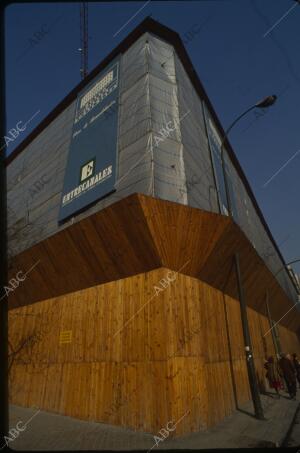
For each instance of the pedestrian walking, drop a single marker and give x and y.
(297, 366)
(273, 375)
(289, 374)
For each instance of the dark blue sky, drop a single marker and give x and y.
(237, 64)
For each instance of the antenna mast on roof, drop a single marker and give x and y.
(84, 39)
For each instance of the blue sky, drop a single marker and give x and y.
(236, 55)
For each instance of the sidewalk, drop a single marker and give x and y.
(48, 431)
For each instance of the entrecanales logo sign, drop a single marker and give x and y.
(89, 184)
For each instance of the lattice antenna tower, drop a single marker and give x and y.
(84, 39)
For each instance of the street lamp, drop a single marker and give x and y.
(264, 103)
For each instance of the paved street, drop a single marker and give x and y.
(48, 431)
(293, 438)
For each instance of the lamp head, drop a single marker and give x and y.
(266, 102)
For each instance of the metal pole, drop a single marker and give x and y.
(248, 347)
(277, 338)
(3, 251)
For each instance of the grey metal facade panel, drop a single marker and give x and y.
(155, 90)
(161, 59)
(45, 159)
(168, 167)
(200, 184)
(33, 216)
(162, 91)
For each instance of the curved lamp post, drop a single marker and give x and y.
(259, 413)
(264, 103)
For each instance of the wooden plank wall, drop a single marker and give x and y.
(140, 355)
(289, 340)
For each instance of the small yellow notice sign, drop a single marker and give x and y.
(65, 336)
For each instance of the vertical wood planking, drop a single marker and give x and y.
(172, 356)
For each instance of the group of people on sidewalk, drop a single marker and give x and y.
(285, 370)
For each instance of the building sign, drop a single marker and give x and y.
(65, 336)
(215, 141)
(91, 168)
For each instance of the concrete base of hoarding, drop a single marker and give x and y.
(48, 431)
